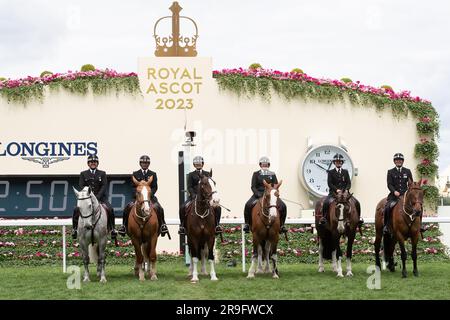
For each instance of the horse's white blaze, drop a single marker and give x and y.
(273, 202)
(215, 196)
(341, 214)
(144, 193)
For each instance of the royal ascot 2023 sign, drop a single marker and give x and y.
(176, 79)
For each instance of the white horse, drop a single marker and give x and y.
(92, 232)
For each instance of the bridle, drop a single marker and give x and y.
(140, 213)
(94, 212)
(265, 210)
(206, 199)
(412, 216)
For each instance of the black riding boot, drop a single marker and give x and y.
(358, 209)
(75, 217)
(325, 206)
(218, 213)
(112, 223)
(182, 215)
(163, 229)
(283, 214)
(387, 217)
(126, 211)
(247, 218)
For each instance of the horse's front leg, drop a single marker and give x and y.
(401, 242)
(212, 269)
(101, 258)
(321, 268)
(195, 252)
(337, 267)
(267, 257)
(260, 257)
(414, 240)
(152, 256)
(204, 254)
(85, 252)
(251, 271)
(350, 240)
(274, 258)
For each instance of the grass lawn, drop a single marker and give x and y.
(297, 281)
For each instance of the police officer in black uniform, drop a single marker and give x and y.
(258, 191)
(397, 183)
(144, 174)
(338, 180)
(97, 181)
(193, 179)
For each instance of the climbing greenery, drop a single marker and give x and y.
(87, 67)
(309, 89)
(98, 84)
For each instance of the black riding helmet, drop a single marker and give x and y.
(399, 156)
(92, 158)
(144, 159)
(338, 157)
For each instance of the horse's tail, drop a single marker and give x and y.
(93, 253)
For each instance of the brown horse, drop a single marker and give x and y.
(200, 227)
(143, 230)
(265, 231)
(406, 216)
(342, 221)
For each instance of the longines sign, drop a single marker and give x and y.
(47, 153)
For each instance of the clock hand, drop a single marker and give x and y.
(320, 166)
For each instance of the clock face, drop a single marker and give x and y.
(315, 165)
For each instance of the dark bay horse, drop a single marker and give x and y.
(342, 221)
(265, 231)
(200, 227)
(406, 217)
(143, 230)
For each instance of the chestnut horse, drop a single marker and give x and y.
(405, 218)
(265, 231)
(342, 221)
(143, 230)
(200, 227)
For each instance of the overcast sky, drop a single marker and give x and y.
(401, 43)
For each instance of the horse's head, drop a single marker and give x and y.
(87, 204)
(143, 195)
(270, 197)
(208, 190)
(342, 209)
(414, 197)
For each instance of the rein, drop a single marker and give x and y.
(207, 211)
(412, 216)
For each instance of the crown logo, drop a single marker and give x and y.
(175, 45)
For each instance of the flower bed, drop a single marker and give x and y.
(30, 246)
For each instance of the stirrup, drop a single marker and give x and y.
(122, 230)
(74, 234)
(219, 229)
(164, 230)
(181, 230)
(283, 229)
(246, 228)
(322, 221)
(113, 234)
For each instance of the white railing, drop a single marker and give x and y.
(68, 222)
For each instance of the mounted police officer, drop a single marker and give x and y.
(97, 181)
(258, 191)
(144, 174)
(193, 180)
(397, 183)
(338, 181)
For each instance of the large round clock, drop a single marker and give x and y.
(317, 162)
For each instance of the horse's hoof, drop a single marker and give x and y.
(321, 269)
(194, 281)
(103, 280)
(349, 274)
(86, 280)
(259, 272)
(404, 275)
(214, 279)
(340, 275)
(416, 273)
(275, 276)
(251, 276)
(154, 277)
